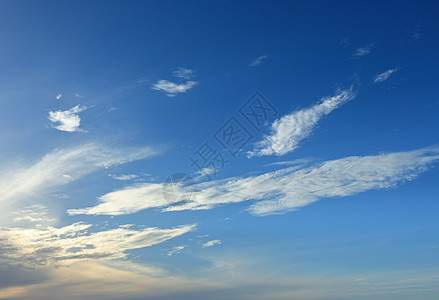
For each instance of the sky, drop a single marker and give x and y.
(219, 150)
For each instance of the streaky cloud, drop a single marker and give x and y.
(176, 250)
(50, 245)
(362, 51)
(211, 243)
(62, 166)
(384, 76)
(128, 200)
(288, 131)
(257, 61)
(124, 177)
(282, 190)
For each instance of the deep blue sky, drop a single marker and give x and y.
(351, 212)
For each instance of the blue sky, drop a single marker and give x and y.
(133, 167)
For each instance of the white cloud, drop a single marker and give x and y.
(184, 73)
(362, 51)
(288, 131)
(126, 201)
(296, 162)
(76, 95)
(176, 250)
(172, 89)
(279, 191)
(288, 189)
(62, 166)
(207, 171)
(383, 76)
(124, 177)
(212, 243)
(34, 214)
(257, 61)
(58, 96)
(68, 119)
(75, 242)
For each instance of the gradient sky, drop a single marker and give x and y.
(219, 150)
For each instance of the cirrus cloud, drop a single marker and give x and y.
(384, 76)
(288, 131)
(279, 191)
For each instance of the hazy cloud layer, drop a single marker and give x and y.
(227, 279)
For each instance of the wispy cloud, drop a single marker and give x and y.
(257, 61)
(62, 166)
(172, 89)
(283, 190)
(176, 250)
(74, 242)
(362, 51)
(288, 131)
(58, 96)
(288, 189)
(68, 120)
(124, 177)
(383, 76)
(184, 73)
(417, 32)
(142, 80)
(33, 214)
(126, 201)
(211, 243)
(296, 162)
